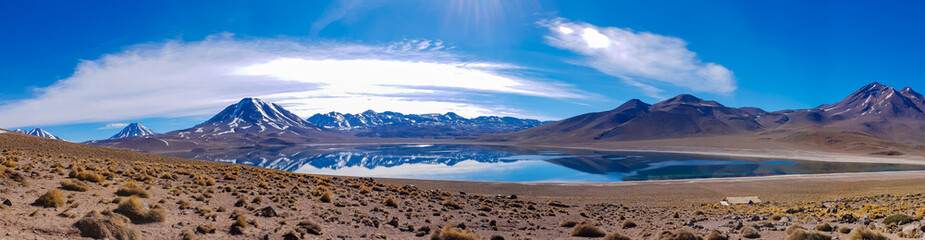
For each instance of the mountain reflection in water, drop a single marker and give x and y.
(517, 164)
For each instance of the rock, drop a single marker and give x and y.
(393, 222)
(405, 228)
(784, 219)
(755, 218)
(268, 212)
(7, 202)
(910, 230)
(848, 218)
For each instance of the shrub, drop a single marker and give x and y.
(205, 228)
(449, 203)
(97, 226)
(326, 197)
(390, 202)
(51, 199)
(132, 189)
(750, 232)
(451, 233)
(74, 186)
(616, 236)
(587, 230)
(139, 213)
(898, 219)
(716, 235)
(807, 235)
(257, 200)
(863, 233)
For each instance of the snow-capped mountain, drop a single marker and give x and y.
(38, 132)
(879, 100)
(253, 116)
(393, 124)
(133, 129)
(250, 122)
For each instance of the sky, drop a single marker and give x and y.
(83, 70)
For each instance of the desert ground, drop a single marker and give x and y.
(57, 190)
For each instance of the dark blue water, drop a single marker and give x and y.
(514, 164)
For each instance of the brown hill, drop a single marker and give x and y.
(678, 117)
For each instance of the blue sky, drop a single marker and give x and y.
(74, 68)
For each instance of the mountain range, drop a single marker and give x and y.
(396, 125)
(875, 109)
(250, 122)
(875, 117)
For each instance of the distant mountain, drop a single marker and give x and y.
(250, 122)
(132, 130)
(396, 125)
(875, 109)
(38, 132)
(677, 117)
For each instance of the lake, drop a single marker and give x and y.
(517, 164)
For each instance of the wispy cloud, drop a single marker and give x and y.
(640, 59)
(338, 10)
(114, 126)
(179, 79)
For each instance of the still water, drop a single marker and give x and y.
(515, 164)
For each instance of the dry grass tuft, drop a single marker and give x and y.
(140, 213)
(99, 226)
(568, 223)
(863, 233)
(132, 189)
(451, 233)
(616, 236)
(206, 228)
(716, 235)
(74, 186)
(587, 230)
(239, 226)
(51, 199)
(390, 202)
(449, 203)
(89, 176)
(326, 197)
(750, 232)
(679, 235)
(807, 235)
(825, 227)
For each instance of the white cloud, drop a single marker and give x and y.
(641, 59)
(180, 79)
(114, 126)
